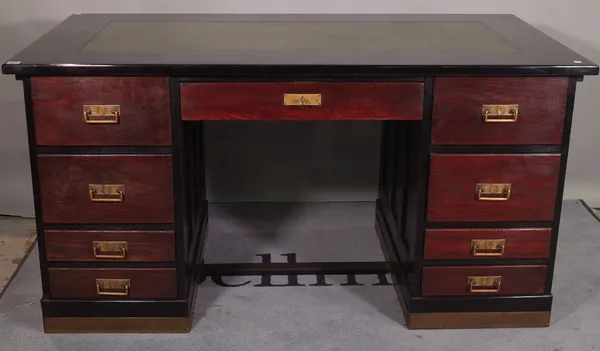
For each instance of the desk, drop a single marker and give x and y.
(476, 113)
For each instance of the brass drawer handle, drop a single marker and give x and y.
(493, 192)
(500, 113)
(113, 287)
(302, 99)
(490, 284)
(106, 192)
(110, 249)
(101, 114)
(483, 247)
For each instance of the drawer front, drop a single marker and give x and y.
(267, 101)
(482, 280)
(106, 188)
(101, 283)
(462, 187)
(143, 117)
(487, 243)
(101, 246)
(458, 116)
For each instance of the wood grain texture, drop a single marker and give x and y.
(264, 101)
(453, 180)
(58, 111)
(142, 246)
(453, 281)
(64, 181)
(80, 283)
(456, 243)
(457, 115)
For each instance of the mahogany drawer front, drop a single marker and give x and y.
(82, 283)
(458, 110)
(454, 179)
(484, 244)
(265, 101)
(101, 246)
(483, 280)
(146, 182)
(144, 118)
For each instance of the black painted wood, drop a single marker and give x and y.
(234, 269)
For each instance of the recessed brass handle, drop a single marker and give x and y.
(110, 249)
(302, 99)
(493, 192)
(483, 247)
(113, 287)
(101, 114)
(489, 284)
(500, 113)
(106, 192)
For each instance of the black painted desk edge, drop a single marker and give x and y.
(57, 53)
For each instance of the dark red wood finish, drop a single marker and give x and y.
(264, 101)
(456, 243)
(454, 281)
(80, 283)
(64, 181)
(453, 181)
(142, 246)
(457, 114)
(58, 111)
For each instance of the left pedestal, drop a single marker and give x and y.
(119, 238)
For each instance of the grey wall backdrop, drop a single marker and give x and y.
(311, 161)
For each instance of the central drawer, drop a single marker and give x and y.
(301, 101)
(106, 188)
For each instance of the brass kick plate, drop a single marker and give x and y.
(101, 114)
(302, 99)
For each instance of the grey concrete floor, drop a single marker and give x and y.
(16, 238)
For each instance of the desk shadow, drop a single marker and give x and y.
(308, 232)
(239, 233)
(576, 275)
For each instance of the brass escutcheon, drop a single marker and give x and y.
(487, 247)
(113, 287)
(101, 114)
(302, 99)
(110, 249)
(485, 284)
(493, 191)
(106, 192)
(500, 113)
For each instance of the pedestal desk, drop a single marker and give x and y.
(476, 114)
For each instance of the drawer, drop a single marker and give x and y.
(483, 280)
(102, 283)
(484, 244)
(492, 187)
(458, 115)
(106, 188)
(302, 101)
(60, 104)
(100, 246)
